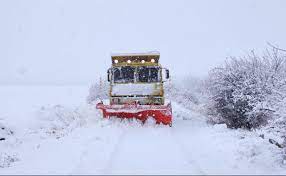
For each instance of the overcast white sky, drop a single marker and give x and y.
(57, 41)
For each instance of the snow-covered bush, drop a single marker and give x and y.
(245, 92)
(6, 140)
(5, 132)
(184, 91)
(6, 160)
(98, 91)
(59, 120)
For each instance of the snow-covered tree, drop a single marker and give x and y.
(184, 91)
(245, 92)
(98, 91)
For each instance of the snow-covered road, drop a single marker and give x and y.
(150, 150)
(100, 146)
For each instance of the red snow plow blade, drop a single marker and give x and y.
(161, 113)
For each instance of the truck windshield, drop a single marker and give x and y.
(124, 74)
(148, 74)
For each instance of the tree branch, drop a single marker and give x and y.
(275, 47)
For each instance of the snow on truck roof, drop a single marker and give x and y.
(135, 58)
(136, 54)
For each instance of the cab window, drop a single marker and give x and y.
(124, 74)
(148, 74)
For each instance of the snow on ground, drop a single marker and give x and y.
(55, 132)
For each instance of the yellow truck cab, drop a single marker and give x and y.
(137, 78)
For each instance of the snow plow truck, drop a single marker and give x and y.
(137, 88)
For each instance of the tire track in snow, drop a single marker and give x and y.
(113, 153)
(96, 153)
(186, 154)
(84, 154)
(186, 115)
(154, 158)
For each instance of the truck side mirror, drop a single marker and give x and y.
(108, 75)
(165, 74)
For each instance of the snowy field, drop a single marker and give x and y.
(51, 130)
